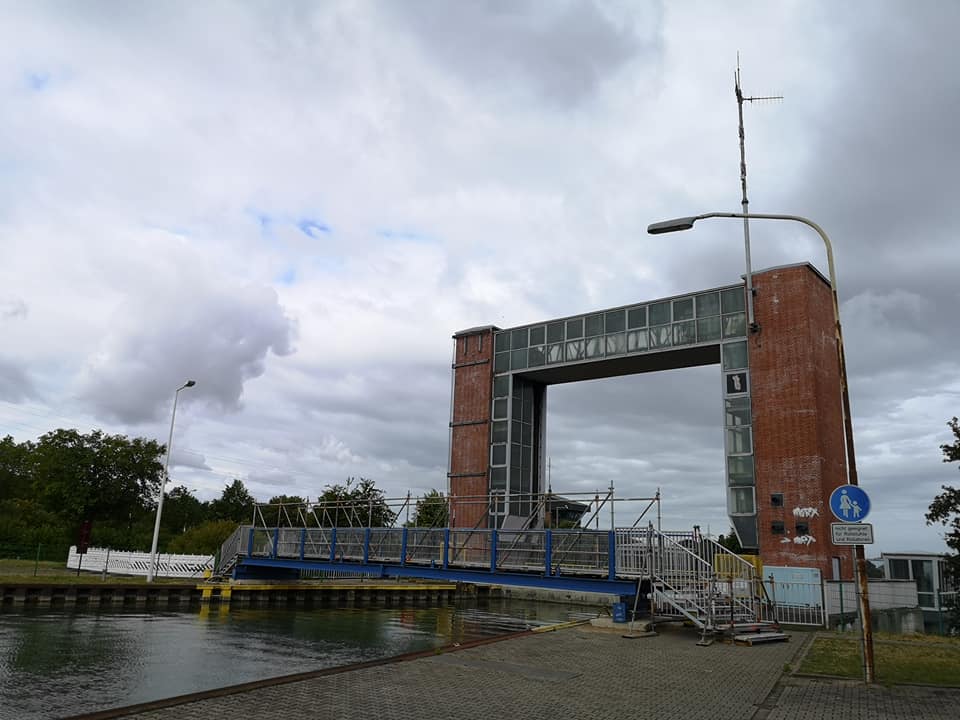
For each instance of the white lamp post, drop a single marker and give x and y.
(152, 570)
(686, 223)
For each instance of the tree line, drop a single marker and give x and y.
(50, 486)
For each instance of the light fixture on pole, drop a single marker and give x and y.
(152, 569)
(686, 223)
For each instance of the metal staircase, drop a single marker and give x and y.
(694, 578)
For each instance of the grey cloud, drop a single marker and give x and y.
(16, 384)
(561, 50)
(219, 337)
(187, 459)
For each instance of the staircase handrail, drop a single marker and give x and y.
(231, 548)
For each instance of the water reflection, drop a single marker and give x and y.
(60, 663)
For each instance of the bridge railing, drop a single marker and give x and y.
(550, 552)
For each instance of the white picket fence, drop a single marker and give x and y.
(138, 563)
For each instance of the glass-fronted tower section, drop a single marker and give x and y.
(618, 341)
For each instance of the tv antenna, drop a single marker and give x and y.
(744, 203)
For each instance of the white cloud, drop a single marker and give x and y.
(479, 163)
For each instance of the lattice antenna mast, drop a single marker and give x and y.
(744, 202)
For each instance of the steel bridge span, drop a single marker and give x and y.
(602, 561)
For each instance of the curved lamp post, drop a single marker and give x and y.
(152, 570)
(686, 223)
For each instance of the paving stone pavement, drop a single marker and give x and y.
(579, 673)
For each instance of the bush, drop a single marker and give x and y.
(204, 539)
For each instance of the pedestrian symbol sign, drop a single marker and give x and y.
(849, 503)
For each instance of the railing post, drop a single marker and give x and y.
(249, 552)
(403, 547)
(333, 544)
(276, 540)
(611, 555)
(548, 554)
(366, 545)
(446, 548)
(493, 550)
(303, 541)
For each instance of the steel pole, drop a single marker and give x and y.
(151, 570)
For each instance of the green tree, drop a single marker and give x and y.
(15, 479)
(356, 503)
(731, 542)
(945, 510)
(182, 511)
(286, 510)
(204, 539)
(235, 503)
(96, 476)
(431, 510)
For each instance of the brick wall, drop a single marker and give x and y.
(470, 431)
(797, 418)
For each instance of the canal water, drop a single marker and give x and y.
(59, 663)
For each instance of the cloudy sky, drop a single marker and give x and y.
(296, 204)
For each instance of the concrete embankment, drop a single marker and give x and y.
(14, 595)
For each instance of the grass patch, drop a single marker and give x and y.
(929, 660)
(21, 571)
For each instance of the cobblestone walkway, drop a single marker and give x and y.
(579, 673)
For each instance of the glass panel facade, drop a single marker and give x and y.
(659, 313)
(734, 355)
(594, 347)
(683, 309)
(636, 340)
(708, 304)
(740, 469)
(733, 300)
(741, 501)
(593, 325)
(739, 441)
(734, 325)
(685, 333)
(636, 318)
(737, 411)
(555, 332)
(708, 329)
(536, 356)
(704, 318)
(616, 344)
(660, 336)
(615, 321)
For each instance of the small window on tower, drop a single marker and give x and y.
(776, 500)
(777, 528)
(803, 529)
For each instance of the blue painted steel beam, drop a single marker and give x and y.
(555, 582)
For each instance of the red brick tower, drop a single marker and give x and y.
(797, 417)
(470, 426)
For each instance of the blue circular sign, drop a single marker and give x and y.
(849, 503)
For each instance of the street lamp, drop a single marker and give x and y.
(152, 569)
(686, 223)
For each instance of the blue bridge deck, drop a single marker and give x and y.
(603, 561)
